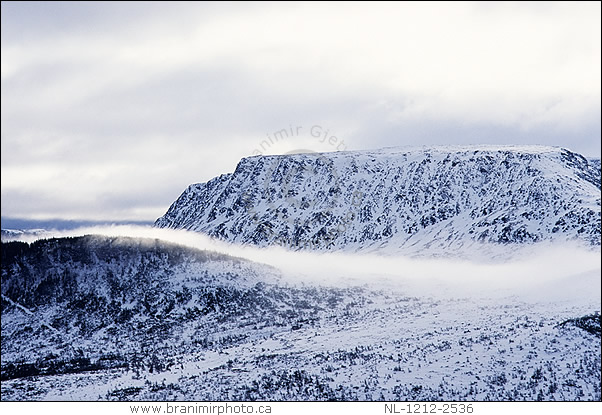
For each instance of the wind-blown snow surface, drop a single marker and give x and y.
(111, 317)
(417, 201)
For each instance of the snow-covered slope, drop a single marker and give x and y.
(105, 318)
(409, 200)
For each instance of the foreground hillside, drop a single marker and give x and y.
(105, 318)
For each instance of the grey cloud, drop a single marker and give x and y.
(144, 99)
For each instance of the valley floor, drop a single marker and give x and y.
(373, 345)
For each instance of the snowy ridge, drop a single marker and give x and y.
(408, 200)
(16, 234)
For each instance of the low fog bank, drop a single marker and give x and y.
(544, 272)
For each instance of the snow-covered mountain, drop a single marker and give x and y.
(409, 200)
(123, 318)
(17, 234)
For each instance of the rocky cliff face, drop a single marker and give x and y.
(399, 199)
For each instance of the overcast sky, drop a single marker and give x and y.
(109, 110)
